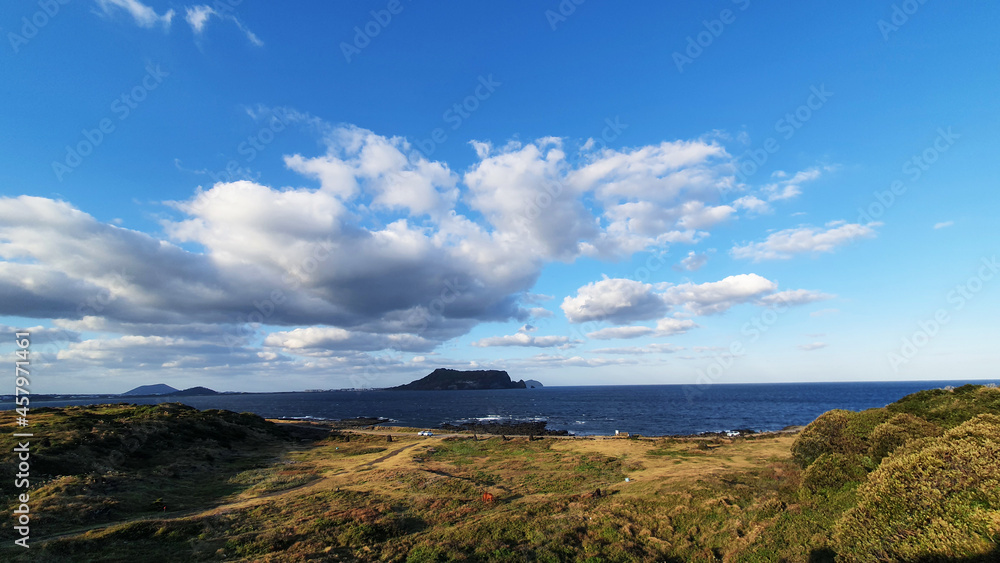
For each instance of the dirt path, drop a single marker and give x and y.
(388, 455)
(322, 483)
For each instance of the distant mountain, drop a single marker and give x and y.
(158, 389)
(532, 384)
(195, 391)
(443, 379)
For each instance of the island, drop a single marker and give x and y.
(443, 379)
(161, 389)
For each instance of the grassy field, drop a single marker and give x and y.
(237, 488)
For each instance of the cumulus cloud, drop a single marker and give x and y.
(785, 244)
(693, 261)
(753, 204)
(381, 249)
(669, 326)
(615, 300)
(143, 15)
(717, 297)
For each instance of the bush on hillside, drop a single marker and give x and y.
(895, 432)
(831, 471)
(935, 499)
(837, 431)
(950, 407)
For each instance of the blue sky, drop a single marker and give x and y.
(352, 194)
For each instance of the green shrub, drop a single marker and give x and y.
(935, 499)
(831, 471)
(818, 438)
(837, 431)
(950, 407)
(897, 431)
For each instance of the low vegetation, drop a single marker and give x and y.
(915, 481)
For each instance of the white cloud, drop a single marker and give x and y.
(548, 361)
(693, 261)
(753, 204)
(669, 326)
(655, 348)
(321, 340)
(198, 17)
(717, 297)
(615, 300)
(143, 15)
(521, 190)
(812, 346)
(617, 332)
(943, 224)
(789, 187)
(524, 339)
(800, 240)
(795, 297)
(381, 249)
(540, 313)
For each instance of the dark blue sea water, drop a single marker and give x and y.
(647, 409)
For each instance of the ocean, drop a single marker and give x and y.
(650, 410)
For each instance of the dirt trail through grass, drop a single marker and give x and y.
(388, 455)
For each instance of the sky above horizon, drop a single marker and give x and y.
(338, 195)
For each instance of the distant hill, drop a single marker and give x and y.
(161, 389)
(158, 389)
(443, 379)
(533, 384)
(195, 391)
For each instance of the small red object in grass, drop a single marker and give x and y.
(488, 498)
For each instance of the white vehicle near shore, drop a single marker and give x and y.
(425, 433)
